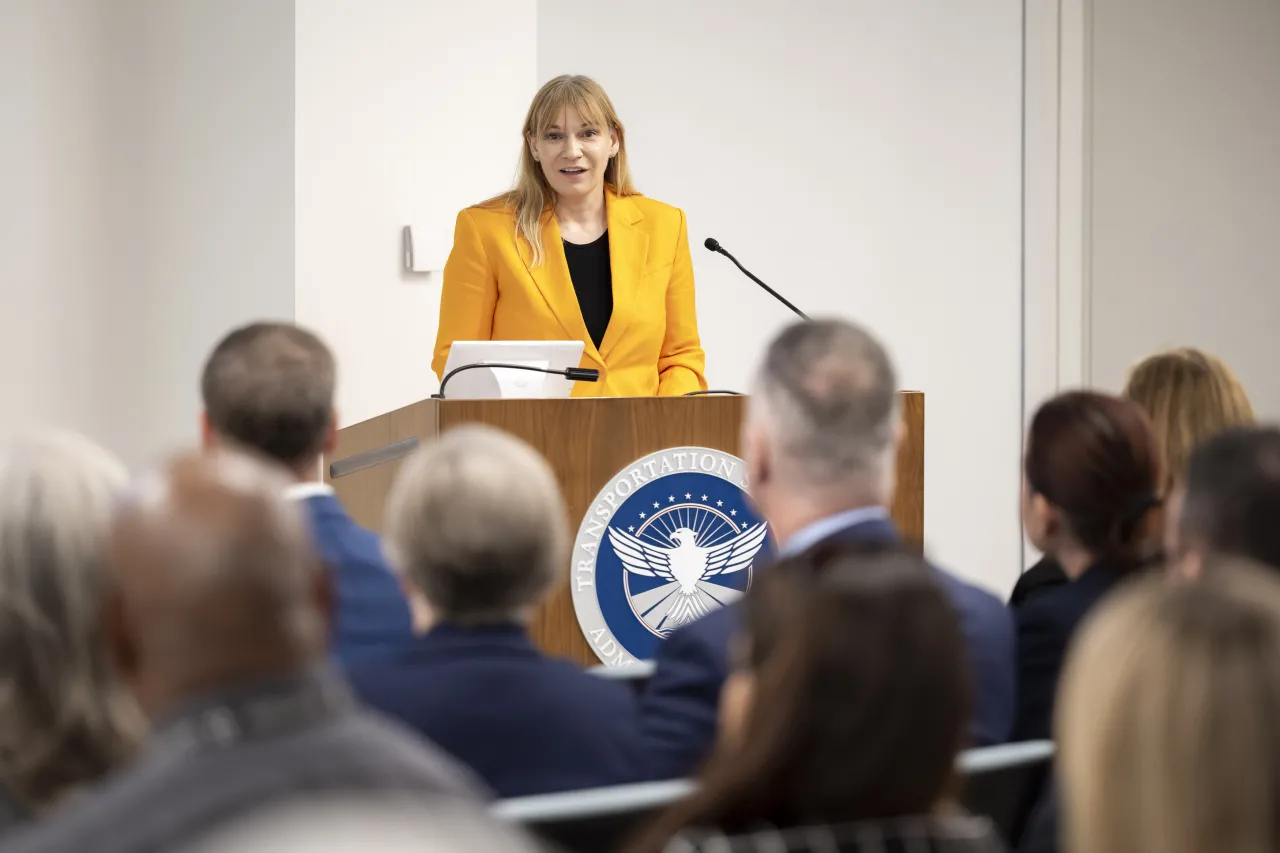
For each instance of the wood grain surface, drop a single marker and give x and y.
(588, 441)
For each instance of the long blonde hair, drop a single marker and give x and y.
(1168, 720)
(532, 197)
(1190, 396)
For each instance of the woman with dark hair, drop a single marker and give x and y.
(1091, 478)
(841, 720)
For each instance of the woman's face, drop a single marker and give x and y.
(574, 154)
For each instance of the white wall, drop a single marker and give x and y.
(1184, 220)
(202, 200)
(865, 159)
(406, 113)
(53, 231)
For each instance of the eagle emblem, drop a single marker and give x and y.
(685, 564)
(669, 539)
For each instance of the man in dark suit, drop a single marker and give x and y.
(819, 442)
(216, 620)
(269, 387)
(477, 525)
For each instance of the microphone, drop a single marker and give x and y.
(714, 245)
(576, 374)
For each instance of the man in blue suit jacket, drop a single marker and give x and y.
(269, 387)
(819, 442)
(478, 527)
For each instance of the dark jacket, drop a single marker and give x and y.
(680, 703)
(372, 615)
(1044, 576)
(524, 722)
(1046, 625)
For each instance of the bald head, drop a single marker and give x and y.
(213, 579)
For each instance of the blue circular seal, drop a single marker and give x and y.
(669, 539)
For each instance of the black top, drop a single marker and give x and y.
(593, 282)
(1046, 624)
(1040, 578)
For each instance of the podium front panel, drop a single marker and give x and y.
(587, 441)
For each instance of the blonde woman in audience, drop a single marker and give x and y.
(63, 720)
(1169, 724)
(842, 718)
(1190, 396)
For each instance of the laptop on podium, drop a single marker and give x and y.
(498, 383)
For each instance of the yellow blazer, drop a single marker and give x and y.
(651, 345)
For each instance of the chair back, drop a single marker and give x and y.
(1005, 782)
(1000, 782)
(594, 821)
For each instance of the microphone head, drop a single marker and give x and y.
(712, 243)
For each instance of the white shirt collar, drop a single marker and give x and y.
(303, 491)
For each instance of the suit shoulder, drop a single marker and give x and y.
(708, 636)
(490, 213)
(654, 209)
(970, 593)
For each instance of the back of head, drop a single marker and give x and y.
(477, 523)
(269, 387)
(860, 698)
(1190, 396)
(214, 579)
(826, 398)
(1231, 503)
(1093, 458)
(1169, 718)
(63, 719)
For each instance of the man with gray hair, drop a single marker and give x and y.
(477, 526)
(819, 441)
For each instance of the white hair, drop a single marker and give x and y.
(63, 718)
(478, 524)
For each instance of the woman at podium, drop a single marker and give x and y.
(573, 252)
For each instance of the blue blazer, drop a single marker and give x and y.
(524, 722)
(372, 615)
(1046, 625)
(681, 702)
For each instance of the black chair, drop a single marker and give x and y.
(636, 674)
(1004, 783)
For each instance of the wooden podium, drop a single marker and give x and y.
(587, 441)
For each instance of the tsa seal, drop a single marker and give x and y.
(669, 539)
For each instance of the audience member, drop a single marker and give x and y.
(1189, 396)
(819, 441)
(1169, 721)
(216, 619)
(1230, 502)
(841, 721)
(64, 720)
(1090, 479)
(477, 525)
(269, 387)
